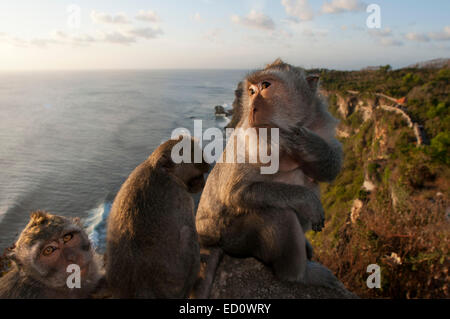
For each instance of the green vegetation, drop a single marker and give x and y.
(403, 224)
(411, 79)
(440, 146)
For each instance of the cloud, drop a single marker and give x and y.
(118, 37)
(23, 43)
(18, 42)
(313, 33)
(443, 35)
(196, 17)
(300, 10)
(74, 39)
(58, 37)
(357, 27)
(146, 33)
(147, 16)
(58, 34)
(390, 42)
(385, 37)
(338, 6)
(212, 35)
(419, 37)
(130, 36)
(283, 34)
(82, 39)
(255, 20)
(105, 18)
(386, 32)
(42, 42)
(123, 35)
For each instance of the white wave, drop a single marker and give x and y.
(96, 225)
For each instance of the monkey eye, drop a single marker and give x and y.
(48, 250)
(67, 237)
(265, 84)
(251, 91)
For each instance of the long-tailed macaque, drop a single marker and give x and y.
(247, 213)
(41, 257)
(152, 244)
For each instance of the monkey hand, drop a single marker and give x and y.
(318, 220)
(295, 139)
(309, 209)
(320, 160)
(319, 226)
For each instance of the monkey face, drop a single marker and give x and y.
(192, 175)
(44, 250)
(267, 96)
(54, 256)
(48, 245)
(279, 96)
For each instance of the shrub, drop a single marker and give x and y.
(443, 75)
(411, 247)
(440, 146)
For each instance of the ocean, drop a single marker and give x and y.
(69, 139)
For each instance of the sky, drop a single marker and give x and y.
(220, 34)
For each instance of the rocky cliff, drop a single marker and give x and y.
(248, 278)
(390, 204)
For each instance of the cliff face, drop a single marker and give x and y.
(365, 105)
(390, 203)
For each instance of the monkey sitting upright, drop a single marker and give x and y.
(247, 213)
(41, 256)
(152, 244)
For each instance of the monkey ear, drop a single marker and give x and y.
(277, 63)
(77, 221)
(313, 81)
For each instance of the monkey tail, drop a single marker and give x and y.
(319, 275)
(209, 261)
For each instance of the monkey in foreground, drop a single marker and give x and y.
(247, 213)
(41, 256)
(152, 244)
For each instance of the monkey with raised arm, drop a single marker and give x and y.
(41, 256)
(152, 244)
(247, 213)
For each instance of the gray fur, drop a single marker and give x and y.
(246, 213)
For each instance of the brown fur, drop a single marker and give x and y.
(28, 279)
(152, 245)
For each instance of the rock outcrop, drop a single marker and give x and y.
(356, 210)
(219, 110)
(248, 278)
(355, 103)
